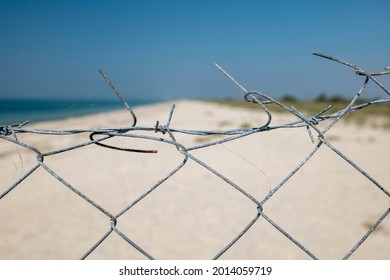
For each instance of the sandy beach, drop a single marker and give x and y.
(327, 205)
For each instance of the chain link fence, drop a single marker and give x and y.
(166, 134)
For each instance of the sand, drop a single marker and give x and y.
(327, 205)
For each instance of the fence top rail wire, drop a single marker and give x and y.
(10, 133)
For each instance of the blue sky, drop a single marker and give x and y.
(166, 49)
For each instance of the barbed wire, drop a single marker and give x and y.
(98, 135)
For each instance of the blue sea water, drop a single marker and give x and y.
(16, 111)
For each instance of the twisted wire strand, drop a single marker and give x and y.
(98, 135)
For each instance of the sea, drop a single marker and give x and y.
(17, 111)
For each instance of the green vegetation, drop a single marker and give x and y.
(310, 108)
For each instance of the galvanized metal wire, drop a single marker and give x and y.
(98, 135)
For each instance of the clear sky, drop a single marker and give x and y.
(166, 49)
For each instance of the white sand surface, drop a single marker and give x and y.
(327, 205)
